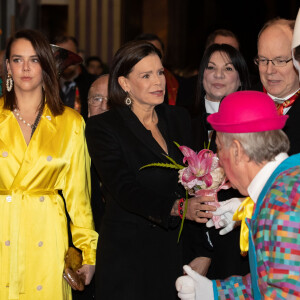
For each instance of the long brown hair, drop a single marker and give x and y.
(49, 72)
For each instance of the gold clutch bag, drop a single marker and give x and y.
(73, 262)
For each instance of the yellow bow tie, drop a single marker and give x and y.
(244, 211)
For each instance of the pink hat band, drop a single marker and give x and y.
(247, 111)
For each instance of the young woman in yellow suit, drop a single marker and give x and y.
(42, 151)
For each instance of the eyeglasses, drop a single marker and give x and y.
(277, 62)
(96, 100)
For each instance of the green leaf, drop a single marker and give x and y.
(174, 162)
(208, 145)
(164, 165)
(176, 144)
(184, 213)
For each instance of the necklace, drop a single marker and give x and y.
(36, 122)
(17, 114)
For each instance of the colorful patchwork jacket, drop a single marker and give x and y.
(274, 241)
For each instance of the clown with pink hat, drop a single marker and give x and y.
(247, 111)
(252, 148)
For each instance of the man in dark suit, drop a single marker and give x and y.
(278, 75)
(97, 104)
(75, 81)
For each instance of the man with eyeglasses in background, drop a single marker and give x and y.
(278, 76)
(97, 96)
(97, 104)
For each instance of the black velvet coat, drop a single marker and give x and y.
(291, 127)
(138, 256)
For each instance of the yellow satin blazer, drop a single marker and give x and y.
(33, 223)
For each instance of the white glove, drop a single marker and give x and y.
(185, 287)
(226, 210)
(203, 287)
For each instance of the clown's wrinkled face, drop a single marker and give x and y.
(232, 165)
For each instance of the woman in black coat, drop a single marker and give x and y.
(138, 254)
(222, 71)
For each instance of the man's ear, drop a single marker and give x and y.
(123, 82)
(236, 152)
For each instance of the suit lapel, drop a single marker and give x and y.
(141, 133)
(166, 129)
(294, 108)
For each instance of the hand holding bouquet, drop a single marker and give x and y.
(201, 175)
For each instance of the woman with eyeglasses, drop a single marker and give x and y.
(42, 153)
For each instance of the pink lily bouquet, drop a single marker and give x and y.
(203, 171)
(202, 175)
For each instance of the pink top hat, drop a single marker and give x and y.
(247, 111)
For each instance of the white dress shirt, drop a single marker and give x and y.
(211, 107)
(281, 100)
(261, 178)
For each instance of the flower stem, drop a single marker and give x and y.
(184, 213)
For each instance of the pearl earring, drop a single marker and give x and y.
(9, 83)
(128, 100)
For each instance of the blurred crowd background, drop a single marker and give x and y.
(102, 26)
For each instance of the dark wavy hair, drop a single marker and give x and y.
(238, 62)
(123, 62)
(49, 72)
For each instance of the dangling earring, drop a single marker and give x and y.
(9, 83)
(128, 100)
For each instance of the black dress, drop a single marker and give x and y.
(138, 256)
